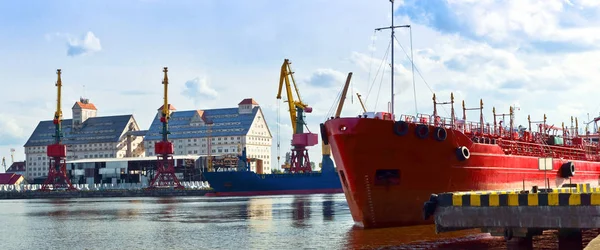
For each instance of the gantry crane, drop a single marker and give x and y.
(165, 167)
(57, 152)
(300, 162)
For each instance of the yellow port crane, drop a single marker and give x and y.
(299, 160)
(293, 105)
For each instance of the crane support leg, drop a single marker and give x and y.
(57, 176)
(165, 174)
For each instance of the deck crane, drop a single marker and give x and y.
(57, 152)
(299, 162)
(326, 162)
(361, 103)
(165, 176)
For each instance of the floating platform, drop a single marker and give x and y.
(519, 213)
(162, 192)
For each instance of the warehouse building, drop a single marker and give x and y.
(231, 130)
(86, 136)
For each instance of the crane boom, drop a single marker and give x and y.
(58, 113)
(325, 148)
(343, 97)
(286, 73)
(361, 102)
(165, 110)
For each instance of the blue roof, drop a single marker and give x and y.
(226, 122)
(94, 130)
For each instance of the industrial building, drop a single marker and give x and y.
(229, 130)
(127, 170)
(86, 136)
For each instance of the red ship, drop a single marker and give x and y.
(389, 168)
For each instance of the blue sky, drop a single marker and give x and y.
(540, 55)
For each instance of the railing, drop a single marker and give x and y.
(103, 186)
(543, 150)
(488, 133)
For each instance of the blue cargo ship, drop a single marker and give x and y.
(244, 182)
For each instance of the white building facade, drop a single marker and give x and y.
(232, 129)
(86, 136)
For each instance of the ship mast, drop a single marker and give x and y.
(392, 27)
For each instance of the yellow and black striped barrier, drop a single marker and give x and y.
(580, 195)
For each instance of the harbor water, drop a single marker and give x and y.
(266, 222)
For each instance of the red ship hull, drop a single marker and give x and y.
(387, 177)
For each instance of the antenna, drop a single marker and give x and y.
(12, 155)
(392, 27)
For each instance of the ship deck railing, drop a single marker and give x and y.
(582, 149)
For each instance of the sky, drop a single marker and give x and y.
(539, 56)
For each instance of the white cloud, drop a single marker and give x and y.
(87, 44)
(326, 78)
(77, 46)
(199, 90)
(10, 131)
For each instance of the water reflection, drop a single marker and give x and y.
(59, 209)
(300, 212)
(267, 222)
(260, 213)
(397, 237)
(327, 208)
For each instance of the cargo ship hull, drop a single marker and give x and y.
(387, 177)
(247, 183)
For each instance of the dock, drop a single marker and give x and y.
(518, 215)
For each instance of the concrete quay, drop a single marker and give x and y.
(518, 215)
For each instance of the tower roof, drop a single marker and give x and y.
(171, 107)
(248, 101)
(85, 105)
